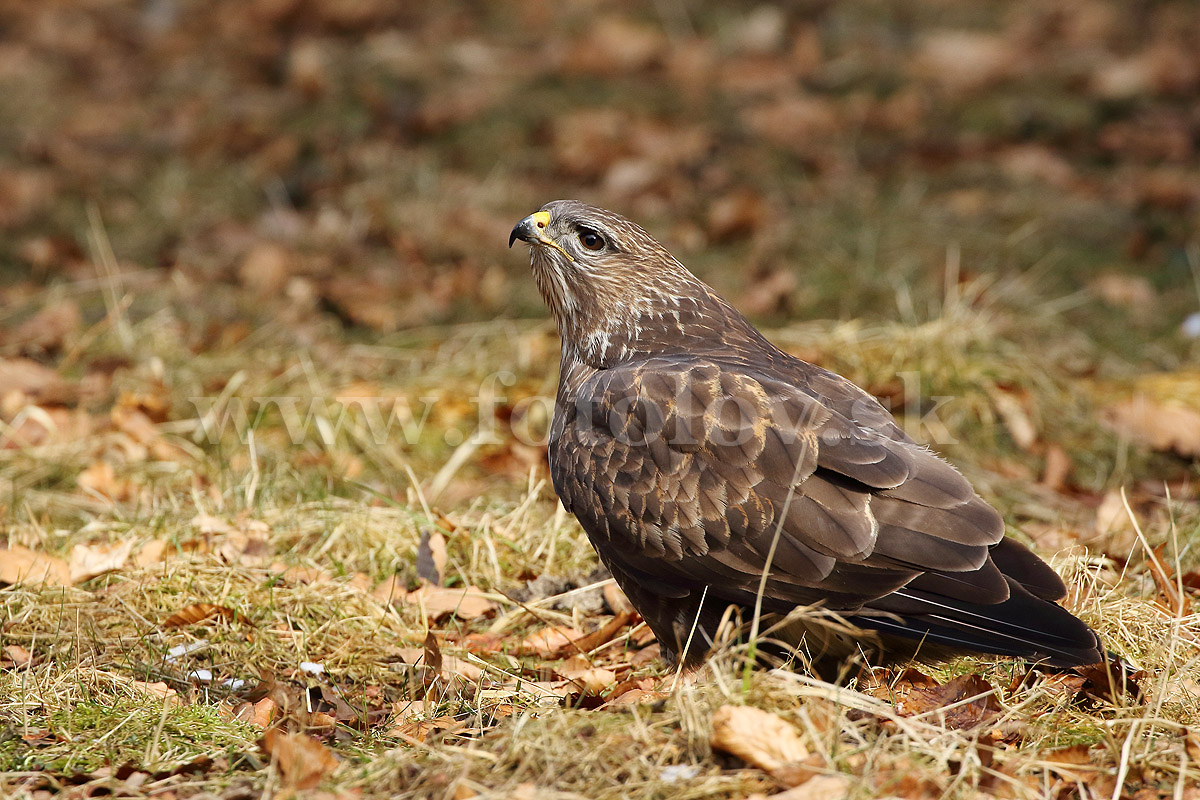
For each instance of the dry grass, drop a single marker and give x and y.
(309, 524)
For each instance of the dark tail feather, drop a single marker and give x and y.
(1023, 625)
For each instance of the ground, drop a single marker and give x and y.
(273, 393)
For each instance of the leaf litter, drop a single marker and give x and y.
(171, 586)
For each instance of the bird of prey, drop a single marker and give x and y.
(711, 470)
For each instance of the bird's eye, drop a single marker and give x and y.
(591, 240)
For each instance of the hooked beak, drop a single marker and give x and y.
(531, 229)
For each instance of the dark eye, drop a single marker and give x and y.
(591, 240)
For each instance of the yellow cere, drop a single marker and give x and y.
(542, 219)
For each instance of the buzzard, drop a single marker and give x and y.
(711, 470)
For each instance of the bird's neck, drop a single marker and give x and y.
(694, 321)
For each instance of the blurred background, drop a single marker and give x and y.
(314, 196)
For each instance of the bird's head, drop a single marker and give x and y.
(614, 291)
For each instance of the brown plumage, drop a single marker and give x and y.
(696, 455)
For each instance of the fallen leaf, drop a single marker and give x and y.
(161, 691)
(36, 383)
(421, 729)
(1057, 469)
(555, 641)
(88, 561)
(266, 268)
(198, 612)
(759, 738)
(431, 558)
(589, 679)
(437, 602)
(1177, 601)
(24, 566)
(102, 479)
(737, 214)
(152, 552)
(550, 642)
(46, 330)
(206, 523)
(1073, 756)
(17, 656)
(618, 603)
(300, 574)
(263, 713)
(1191, 743)
(142, 429)
(962, 703)
(302, 760)
(963, 60)
(818, 787)
(1162, 412)
(1012, 410)
(390, 590)
(1133, 292)
(638, 696)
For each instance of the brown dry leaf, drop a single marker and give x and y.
(102, 479)
(263, 713)
(162, 691)
(154, 404)
(642, 636)
(759, 738)
(550, 642)
(1057, 469)
(206, 523)
(1036, 162)
(769, 292)
(437, 602)
(302, 760)
(24, 566)
(739, 213)
(431, 558)
(1161, 412)
(34, 382)
(1073, 756)
(962, 60)
(794, 122)
(390, 590)
(618, 603)
(1176, 601)
(41, 425)
(46, 330)
(422, 729)
(1094, 683)
(300, 574)
(88, 561)
(638, 696)
(1133, 292)
(1012, 409)
(198, 612)
(1114, 527)
(266, 268)
(818, 787)
(24, 193)
(558, 640)
(152, 552)
(244, 549)
(380, 306)
(138, 425)
(17, 656)
(588, 678)
(1191, 743)
(615, 45)
(915, 694)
